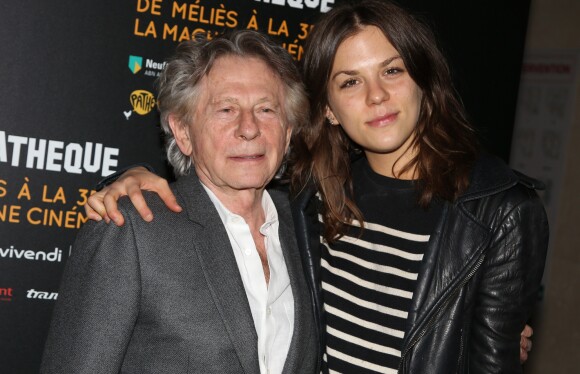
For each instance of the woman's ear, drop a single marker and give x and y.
(330, 116)
(181, 135)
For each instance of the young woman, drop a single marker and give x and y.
(423, 254)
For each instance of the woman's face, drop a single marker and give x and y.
(372, 96)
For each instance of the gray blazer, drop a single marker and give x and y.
(167, 296)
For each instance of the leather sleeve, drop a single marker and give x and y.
(307, 228)
(511, 277)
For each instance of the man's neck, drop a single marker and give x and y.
(246, 203)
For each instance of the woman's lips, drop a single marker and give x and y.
(383, 120)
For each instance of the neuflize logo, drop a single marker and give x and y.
(135, 63)
(26, 254)
(142, 101)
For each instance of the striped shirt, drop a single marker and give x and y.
(368, 280)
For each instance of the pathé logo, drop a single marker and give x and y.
(142, 101)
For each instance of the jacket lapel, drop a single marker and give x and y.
(446, 266)
(303, 314)
(450, 258)
(220, 270)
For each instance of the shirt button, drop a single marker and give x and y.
(268, 310)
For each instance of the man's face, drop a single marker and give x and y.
(238, 136)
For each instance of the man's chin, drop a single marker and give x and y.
(247, 181)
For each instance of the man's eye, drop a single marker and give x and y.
(267, 110)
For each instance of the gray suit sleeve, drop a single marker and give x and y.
(98, 303)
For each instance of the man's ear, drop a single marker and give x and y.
(181, 135)
(330, 116)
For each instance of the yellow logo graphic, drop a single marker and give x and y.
(142, 101)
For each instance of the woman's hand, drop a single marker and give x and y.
(103, 204)
(525, 343)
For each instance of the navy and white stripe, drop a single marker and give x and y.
(368, 279)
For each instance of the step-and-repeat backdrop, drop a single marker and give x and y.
(77, 102)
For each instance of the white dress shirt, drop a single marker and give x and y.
(272, 304)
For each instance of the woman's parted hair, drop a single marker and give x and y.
(445, 141)
(178, 84)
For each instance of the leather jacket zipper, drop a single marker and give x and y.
(433, 319)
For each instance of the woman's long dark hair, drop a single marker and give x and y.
(445, 142)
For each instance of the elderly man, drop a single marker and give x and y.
(219, 287)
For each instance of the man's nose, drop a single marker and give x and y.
(248, 127)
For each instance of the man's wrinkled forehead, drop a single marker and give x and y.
(234, 79)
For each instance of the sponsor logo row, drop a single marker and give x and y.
(8, 293)
(13, 253)
(142, 101)
(150, 68)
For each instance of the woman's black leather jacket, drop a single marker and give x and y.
(479, 280)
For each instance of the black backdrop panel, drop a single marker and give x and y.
(78, 102)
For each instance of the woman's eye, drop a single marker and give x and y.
(348, 83)
(393, 71)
